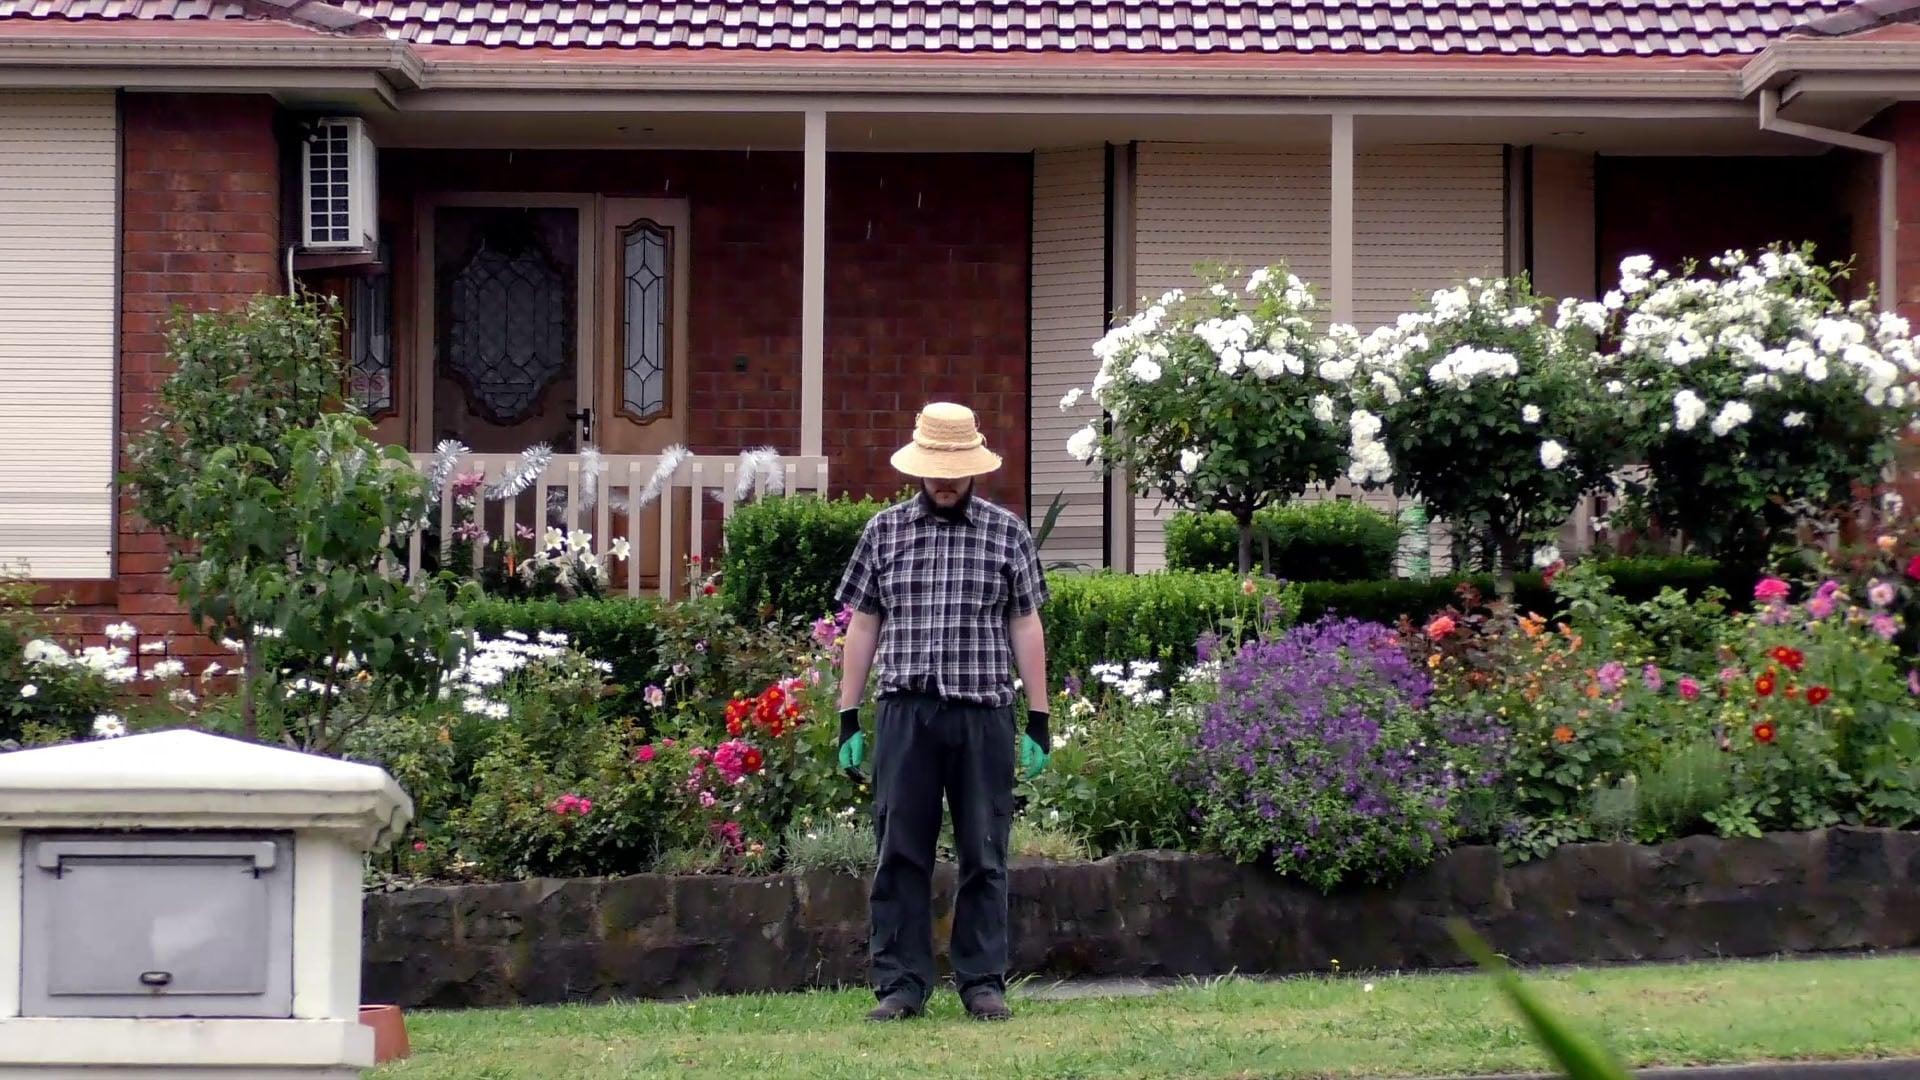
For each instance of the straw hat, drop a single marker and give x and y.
(947, 445)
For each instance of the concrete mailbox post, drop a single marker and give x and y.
(181, 905)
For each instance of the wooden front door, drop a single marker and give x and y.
(510, 282)
(640, 373)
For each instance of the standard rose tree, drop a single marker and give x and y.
(1489, 414)
(1224, 400)
(1755, 395)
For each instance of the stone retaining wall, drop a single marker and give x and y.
(1154, 913)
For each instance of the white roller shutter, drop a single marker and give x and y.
(1069, 279)
(1424, 217)
(59, 168)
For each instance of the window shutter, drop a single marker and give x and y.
(1069, 282)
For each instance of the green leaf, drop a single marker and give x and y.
(1578, 1056)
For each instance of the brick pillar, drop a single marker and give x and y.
(200, 231)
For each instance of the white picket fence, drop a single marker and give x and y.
(597, 505)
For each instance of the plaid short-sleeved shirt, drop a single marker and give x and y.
(944, 591)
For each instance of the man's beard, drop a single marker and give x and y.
(956, 512)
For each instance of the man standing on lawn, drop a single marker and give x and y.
(946, 589)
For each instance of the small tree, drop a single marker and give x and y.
(1756, 396)
(280, 513)
(1487, 413)
(1220, 401)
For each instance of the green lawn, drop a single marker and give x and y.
(1312, 1027)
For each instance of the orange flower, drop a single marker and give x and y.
(1791, 692)
(1887, 543)
(1563, 734)
(1441, 626)
(1593, 690)
(1764, 731)
(1247, 586)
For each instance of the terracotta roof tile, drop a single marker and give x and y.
(1466, 27)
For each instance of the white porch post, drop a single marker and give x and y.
(1342, 217)
(813, 285)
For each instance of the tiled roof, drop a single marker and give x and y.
(1622, 28)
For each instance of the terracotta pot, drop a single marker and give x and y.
(389, 1032)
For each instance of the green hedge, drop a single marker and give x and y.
(1634, 580)
(1104, 617)
(1319, 541)
(622, 632)
(785, 555)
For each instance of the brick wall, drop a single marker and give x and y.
(926, 288)
(200, 229)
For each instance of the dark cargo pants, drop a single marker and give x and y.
(924, 747)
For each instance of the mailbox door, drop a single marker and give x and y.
(157, 925)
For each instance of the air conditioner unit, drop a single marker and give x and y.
(338, 192)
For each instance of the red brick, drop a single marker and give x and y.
(201, 229)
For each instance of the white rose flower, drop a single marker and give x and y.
(1732, 415)
(1817, 369)
(1144, 369)
(44, 653)
(1552, 454)
(1323, 408)
(1084, 444)
(29, 690)
(1189, 460)
(1546, 556)
(1530, 414)
(1794, 419)
(1615, 386)
(1072, 399)
(1364, 426)
(1688, 410)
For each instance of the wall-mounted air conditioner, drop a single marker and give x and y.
(338, 188)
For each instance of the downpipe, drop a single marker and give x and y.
(1888, 258)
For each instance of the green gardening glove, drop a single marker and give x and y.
(1036, 746)
(853, 744)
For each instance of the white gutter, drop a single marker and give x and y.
(1889, 219)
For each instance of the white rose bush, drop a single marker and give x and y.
(1483, 409)
(1755, 396)
(1222, 400)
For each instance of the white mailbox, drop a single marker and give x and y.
(185, 905)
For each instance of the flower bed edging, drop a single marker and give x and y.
(1150, 913)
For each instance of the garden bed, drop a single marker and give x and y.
(1153, 913)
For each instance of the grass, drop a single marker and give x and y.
(1414, 1025)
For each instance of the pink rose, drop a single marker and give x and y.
(1689, 689)
(644, 754)
(1770, 589)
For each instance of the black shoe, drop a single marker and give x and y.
(987, 1004)
(896, 1007)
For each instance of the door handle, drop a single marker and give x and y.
(585, 418)
(156, 979)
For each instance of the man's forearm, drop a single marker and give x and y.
(856, 658)
(1030, 659)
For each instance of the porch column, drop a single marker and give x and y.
(1341, 223)
(813, 285)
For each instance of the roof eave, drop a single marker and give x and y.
(325, 63)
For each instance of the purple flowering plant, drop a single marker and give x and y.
(1322, 757)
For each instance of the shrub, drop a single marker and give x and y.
(1104, 617)
(649, 643)
(47, 690)
(785, 556)
(843, 844)
(1119, 756)
(1634, 580)
(1318, 541)
(1321, 758)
